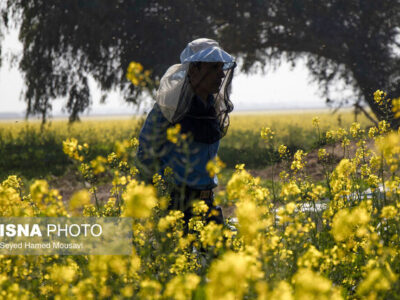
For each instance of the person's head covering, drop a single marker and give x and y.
(175, 93)
(206, 50)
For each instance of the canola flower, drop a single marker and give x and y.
(267, 134)
(298, 161)
(316, 122)
(396, 107)
(173, 133)
(135, 74)
(283, 151)
(139, 200)
(214, 166)
(379, 96)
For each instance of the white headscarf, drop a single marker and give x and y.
(175, 93)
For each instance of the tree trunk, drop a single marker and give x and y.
(371, 77)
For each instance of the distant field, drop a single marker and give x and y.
(282, 120)
(27, 151)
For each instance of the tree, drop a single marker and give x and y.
(66, 41)
(354, 40)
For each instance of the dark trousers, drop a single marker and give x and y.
(182, 199)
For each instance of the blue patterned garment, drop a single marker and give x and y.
(155, 152)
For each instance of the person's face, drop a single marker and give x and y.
(207, 78)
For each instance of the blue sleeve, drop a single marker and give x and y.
(152, 139)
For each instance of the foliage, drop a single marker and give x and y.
(66, 42)
(355, 41)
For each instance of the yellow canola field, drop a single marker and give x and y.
(90, 130)
(280, 120)
(117, 128)
(283, 246)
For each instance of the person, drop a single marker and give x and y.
(195, 95)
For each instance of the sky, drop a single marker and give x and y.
(284, 88)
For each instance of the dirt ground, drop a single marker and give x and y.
(313, 167)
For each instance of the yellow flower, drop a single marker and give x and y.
(98, 165)
(345, 168)
(310, 285)
(310, 259)
(396, 107)
(379, 96)
(355, 129)
(134, 143)
(298, 161)
(239, 184)
(383, 126)
(173, 132)
(135, 66)
(139, 200)
(172, 220)
(315, 121)
(71, 148)
(290, 207)
(283, 175)
(372, 132)
(249, 215)
(267, 134)
(13, 182)
(38, 190)
(373, 181)
(345, 142)
(239, 167)
(321, 153)
(181, 287)
(112, 157)
(79, 199)
(290, 189)
(340, 133)
(317, 192)
(389, 146)
(375, 281)
(196, 224)
(389, 212)
(150, 289)
(133, 73)
(211, 235)
(122, 146)
(168, 171)
(348, 224)
(229, 276)
(283, 151)
(200, 208)
(330, 135)
(214, 166)
(283, 291)
(63, 274)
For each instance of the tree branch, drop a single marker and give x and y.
(358, 106)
